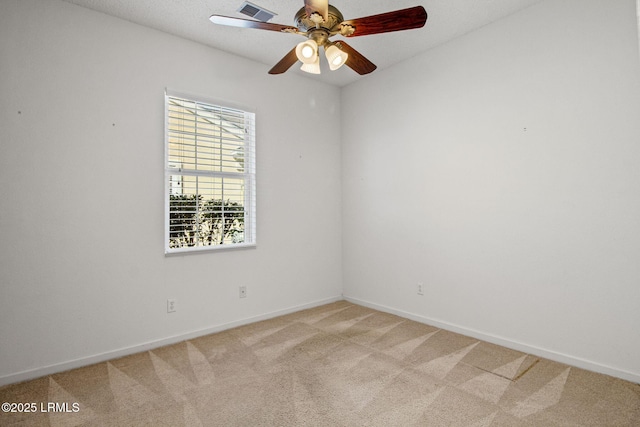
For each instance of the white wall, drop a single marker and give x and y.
(83, 274)
(502, 170)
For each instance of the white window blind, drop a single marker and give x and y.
(210, 176)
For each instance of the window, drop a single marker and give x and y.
(209, 176)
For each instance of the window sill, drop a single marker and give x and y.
(208, 249)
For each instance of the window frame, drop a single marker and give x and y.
(248, 176)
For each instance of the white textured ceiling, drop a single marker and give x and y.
(447, 19)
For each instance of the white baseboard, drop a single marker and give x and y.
(515, 345)
(109, 355)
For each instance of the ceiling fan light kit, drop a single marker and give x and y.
(318, 21)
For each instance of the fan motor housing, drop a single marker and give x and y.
(304, 23)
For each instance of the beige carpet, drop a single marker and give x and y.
(335, 365)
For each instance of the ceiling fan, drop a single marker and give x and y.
(318, 21)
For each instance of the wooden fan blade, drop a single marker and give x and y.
(320, 6)
(285, 63)
(405, 19)
(356, 61)
(248, 23)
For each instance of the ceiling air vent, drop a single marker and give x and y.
(255, 11)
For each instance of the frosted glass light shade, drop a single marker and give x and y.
(335, 57)
(313, 68)
(307, 51)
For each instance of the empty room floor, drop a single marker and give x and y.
(336, 365)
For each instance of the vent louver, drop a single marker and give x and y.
(256, 11)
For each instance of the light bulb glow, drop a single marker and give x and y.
(307, 51)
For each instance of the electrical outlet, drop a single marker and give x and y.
(243, 291)
(420, 288)
(171, 305)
